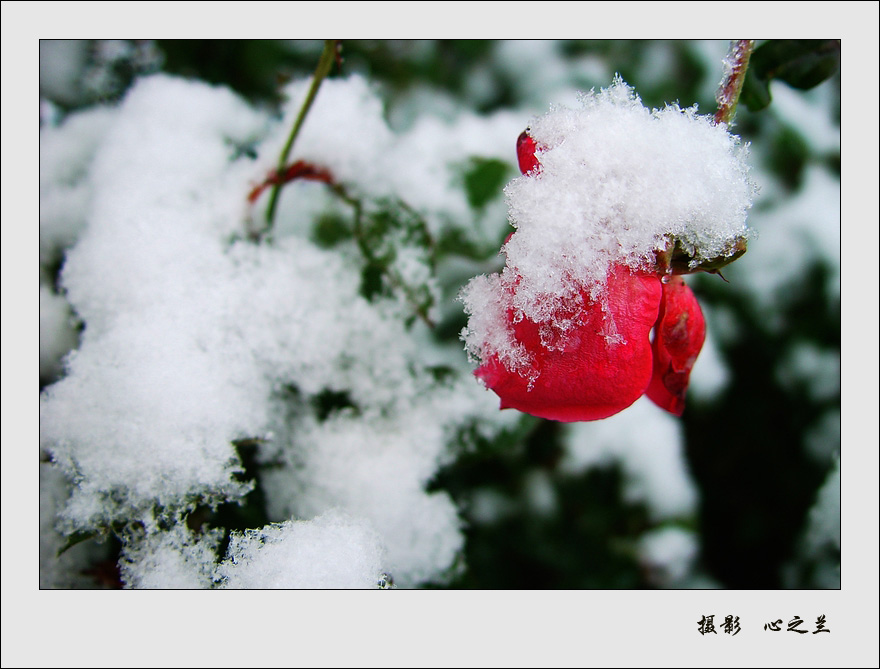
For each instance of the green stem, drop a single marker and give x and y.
(328, 56)
(360, 237)
(736, 64)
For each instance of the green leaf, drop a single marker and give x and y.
(371, 281)
(329, 402)
(802, 64)
(789, 156)
(76, 538)
(331, 230)
(484, 179)
(453, 241)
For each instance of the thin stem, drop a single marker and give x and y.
(328, 57)
(361, 239)
(735, 66)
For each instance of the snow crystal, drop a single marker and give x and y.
(331, 551)
(617, 183)
(173, 559)
(152, 380)
(648, 444)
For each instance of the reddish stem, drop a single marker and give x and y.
(298, 170)
(735, 66)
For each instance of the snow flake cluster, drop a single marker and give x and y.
(194, 339)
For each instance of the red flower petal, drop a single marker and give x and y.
(525, 153)
(678, 337)
(599, 368)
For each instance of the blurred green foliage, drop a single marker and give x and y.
(802, 64)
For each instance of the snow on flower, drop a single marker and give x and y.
(615, 201)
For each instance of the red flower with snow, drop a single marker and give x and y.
(604, 360)
(589, 373)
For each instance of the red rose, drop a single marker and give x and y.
(604, 361)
